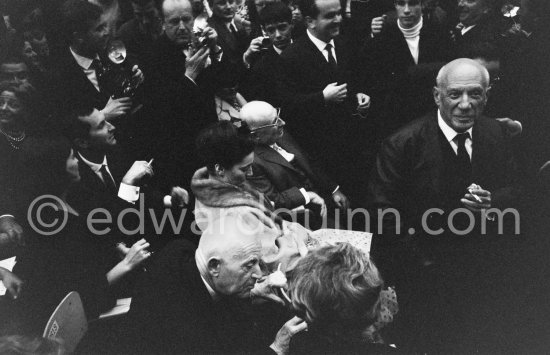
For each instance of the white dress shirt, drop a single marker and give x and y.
(322, 45)
(289, 157)
(126, 192)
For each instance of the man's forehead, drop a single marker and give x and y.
(176, 8)
(325, 6)
(247, 251)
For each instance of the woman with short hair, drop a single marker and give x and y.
(337, 294)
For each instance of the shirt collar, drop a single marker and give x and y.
(466, 29)
(83, 62)
(94, 166)
(318, 43)
(229, 24)
(447, 130)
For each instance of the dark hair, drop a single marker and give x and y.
(274, 13)
(77, 16)
(222, 143)
(309, 8)
(158, 3)
(73, 127)
(26, 94)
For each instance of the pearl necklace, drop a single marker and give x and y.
(14, 141)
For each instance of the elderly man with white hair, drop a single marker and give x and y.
(446, 174)
(281, 169)
(199, 300)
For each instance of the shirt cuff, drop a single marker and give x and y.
(128, 192)
(167, 201)
(188, 77)
(336, 189)
(218, 56)
(306, 196)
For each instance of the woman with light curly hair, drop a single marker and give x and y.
(337, 295)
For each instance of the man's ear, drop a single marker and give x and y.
(437, 98)
(81, 143)
(220, 171)
(214, 266)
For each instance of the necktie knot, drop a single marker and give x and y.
(461, 138)
(328, 47)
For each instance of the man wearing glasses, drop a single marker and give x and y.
(281, 170)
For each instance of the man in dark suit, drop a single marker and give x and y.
(442, 173)
(479, 23)
(232, 37)
(281, 170)
(199, 301)
(403, 60)
(181, 89)
(323, 104)
(79, 72)
(108, 180)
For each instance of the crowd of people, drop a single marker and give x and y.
(191, 147)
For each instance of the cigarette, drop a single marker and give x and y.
(150, 162)
(475, 196)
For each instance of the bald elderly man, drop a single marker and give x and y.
(281, 169)
(458, 161)
(198, 300)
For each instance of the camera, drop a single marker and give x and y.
(200, 40)
(266, 43)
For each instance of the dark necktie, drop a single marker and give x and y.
(233, 30)
(331, 60)
(463, 159)
(99, 73)
(108, 179)
(456, 33)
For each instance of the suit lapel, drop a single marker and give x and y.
(269, 154)
(319, 58)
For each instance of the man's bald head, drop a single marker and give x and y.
(462, 66)
(228, 255)
(461, 93)
(262, 119)
(170, 5)
(178, 21)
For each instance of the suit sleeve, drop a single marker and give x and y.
(289, 199)
(296, 99)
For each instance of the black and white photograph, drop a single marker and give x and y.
(274, 177)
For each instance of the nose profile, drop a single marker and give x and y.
(464, 103)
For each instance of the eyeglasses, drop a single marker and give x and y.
(282, 27)
(274, 124)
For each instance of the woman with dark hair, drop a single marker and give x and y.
(221, 187)
(15, 113)
(337, 295)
